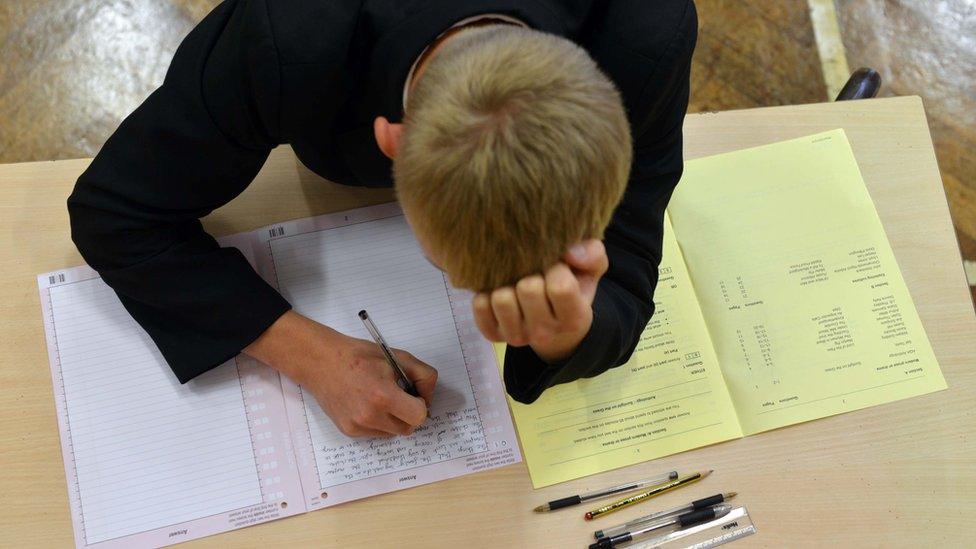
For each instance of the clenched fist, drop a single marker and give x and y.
(550, 312)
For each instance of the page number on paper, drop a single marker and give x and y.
(276, 231)
(55, 278)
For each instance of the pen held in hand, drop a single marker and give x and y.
(644, 496)
(402, 380)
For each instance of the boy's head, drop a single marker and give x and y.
(514, 147)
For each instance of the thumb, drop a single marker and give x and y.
(588, 260)
(588, 256)
(423, 376)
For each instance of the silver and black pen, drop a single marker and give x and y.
(651, 529)
(647, 519)
(402, 380)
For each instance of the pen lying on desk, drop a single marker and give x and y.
(681, 521)
(647, 519)
(576, 500)
(656, 491)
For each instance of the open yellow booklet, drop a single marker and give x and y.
(779, 301)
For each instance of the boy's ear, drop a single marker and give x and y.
(387, 136)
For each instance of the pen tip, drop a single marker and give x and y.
(588, 516)
(540, 509)
(708, 472)
(730, 495)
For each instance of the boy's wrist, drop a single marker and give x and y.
(281, 345)
(562, 347)
(264, 347)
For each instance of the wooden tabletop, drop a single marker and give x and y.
(899, 474)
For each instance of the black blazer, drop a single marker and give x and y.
(314, 73)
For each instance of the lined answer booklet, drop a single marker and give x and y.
(150, 462)
(779, 301)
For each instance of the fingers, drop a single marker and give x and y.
(379, 427)
(539, 320)
(484, 317)
(363, 432)
(390, 410)
(505, 305)
(563, 293)
(547, 311)
(393, 426)
(537, 309)
(409, 410)
(423, 376)
(376, 405)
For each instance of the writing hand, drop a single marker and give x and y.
(349, 377)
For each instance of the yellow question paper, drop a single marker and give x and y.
(783, 304)
(801, 292)
(669, 397)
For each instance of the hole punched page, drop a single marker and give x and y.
(150, 462)
(148, 452)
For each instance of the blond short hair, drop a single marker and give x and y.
(515, 147)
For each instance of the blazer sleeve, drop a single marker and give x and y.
(624, 300)
(191, 147)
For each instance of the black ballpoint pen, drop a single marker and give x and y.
(681, 521)
(654, 517)
(628, 487)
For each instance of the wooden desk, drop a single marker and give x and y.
(902, 471)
